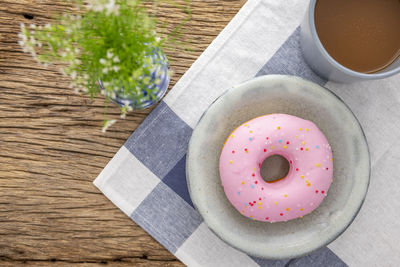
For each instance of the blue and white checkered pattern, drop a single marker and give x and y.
(146, 178)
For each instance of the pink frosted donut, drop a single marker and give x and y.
(310, 174)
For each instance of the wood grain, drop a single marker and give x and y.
(51, 149)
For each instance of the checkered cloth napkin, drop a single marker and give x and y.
(146, 178)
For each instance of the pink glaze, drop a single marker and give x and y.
(300, 192)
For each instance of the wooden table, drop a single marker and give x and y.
(51, 149)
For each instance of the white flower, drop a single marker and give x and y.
(32, 40)
(111, 8)
(105, 70)
(33, 53)
(33, 26)
(116, 68)
(39, 44)
(47, 26)
(109, 54)
(116, 59)
(76, 50)
(107, 124)
(102, 61)
(95, 5)
(63, 54)
(21, 43)
(73, 75)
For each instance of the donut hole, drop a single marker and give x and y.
(274, 168)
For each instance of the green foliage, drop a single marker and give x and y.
(111, 42)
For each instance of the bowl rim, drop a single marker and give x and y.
(282, 77)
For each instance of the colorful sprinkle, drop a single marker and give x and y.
(303, 143)
(252, 186)
(256, 182)
(316, 191)
(230, 161)
(327, 168)
(302, 176)
(276, 202)
(317, 146)
(233, 151)
(238, 193)
(253, 174)
(331, 159)
(251, 138)
(232, 135)
(288, 209)
(300, 129)
(301, 209)
(287, 142)
(265, 150)
(285, 195)
(285, 146)
(272, 147)
(307, 130)
(281, 214)
(301, 148)
(259, 207)
(242, 182)
(306, 148)
(323, 192)
(266, 218)
(280, 141)
(245, 150)
(279, 127)
(318, 165)
(251, 131)
(297, 169)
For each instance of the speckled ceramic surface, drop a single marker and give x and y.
(298, 97)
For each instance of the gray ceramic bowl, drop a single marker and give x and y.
(295, 96)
